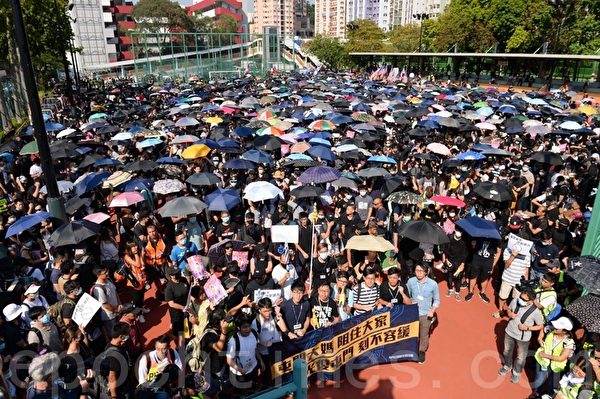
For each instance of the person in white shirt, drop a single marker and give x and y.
(284, 275)
(265, 326)
(243, 356)
(153, 363)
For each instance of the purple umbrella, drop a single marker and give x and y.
(319, 174)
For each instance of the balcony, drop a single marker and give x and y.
(126, 25)
(125, 40)
(123, 10)
(126, 55)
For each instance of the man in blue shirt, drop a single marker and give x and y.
(182, 250)
(426, 294)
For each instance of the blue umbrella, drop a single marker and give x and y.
(209, 143)
(257, 156)
(322, 135)
(429, 123)
(508, 109)
(382, 159)
(90, 182)
(26, 222)
(470, 156)
(54, 127)
(222, 200)
(107, 162)
(341, 120)
(296, 157)
(361, 107)
(319, 174)
(137, 185)
(238, 163)
(477, 227)
(322, 152)
(515, 129)
(244, 131)
(228, 143)
(170, 161)
(46, 117)
(149, 143)
(320, 142)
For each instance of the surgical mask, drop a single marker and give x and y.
(348, 197)
(226, 219)
(452, 214)
(363, 193)
(323, 255)
(321, 217)
(79, 291)
(464, 168)
(182, 242)
(193, 219)
(521, 302)
(407, 218)
(46, 319)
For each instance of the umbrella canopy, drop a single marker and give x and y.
(300, 147)
(382, 159)
(222, 200)
(477, 227)
(319, 174)
(373, 172)
(586, 271)
(168, 186)
(322, 124)
(423, 231)
(203, 179)
(239, 163)
(218, 250)
(123, 200)
(587, 311)
(369, 243)
(470, 156)
(73, 233)
(448, 201)
(29, 148)
(142, 165)
(405, 198)
(90, 181)
(195, 151)
(497, 192)
(439, 148)
(184, 122)
(72, 205)
(307, 192)
(262, 191)
(547, 157)
(26, 222)
(267, 143)
(343, 181)
(182, 206)
(98, 217)
(322, 152)
(185, 139)
(257, 156)
(64, 186)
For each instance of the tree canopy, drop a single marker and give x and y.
(158, 16)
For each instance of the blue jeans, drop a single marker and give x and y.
(545, 380)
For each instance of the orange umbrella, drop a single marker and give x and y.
(300, 147)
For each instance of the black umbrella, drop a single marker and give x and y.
(417, 112)
(451, 163)
(419, 132)
(217, 250)
(547, 157)
(143, 165)
(497, 192)
(72, 205)
(587, 311)
(428, 156)
(267, 143)
(203, 179)
(373, 172)
(405, 198)
(73, 233)
(89, 160)
(423, 231)
(307, 192)
(586, 271)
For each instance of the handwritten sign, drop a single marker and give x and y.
(241, 257)
(86, 308)
(214, 290)
(197, 267)
(522, 245)
(273, 295)
(283, 233)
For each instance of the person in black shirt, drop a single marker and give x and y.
(324, 309)
(561, 236)
(350, 222)
(305, 237)
(214, 344)
(392, 291)
(226, 229)
(454, 256)
(176, 293)
(293, 319)
(260, 264)
(322, 267)
(114, 358)
(251, 233)
(260, 281)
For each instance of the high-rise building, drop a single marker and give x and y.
(290, 16)
(330, 18)
(215, 8)
(101, 30)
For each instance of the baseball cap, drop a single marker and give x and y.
(35, 170)
(514, 223)
(32, 289)
(564, 323)
(12, 311)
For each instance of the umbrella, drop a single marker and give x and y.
(98, 217)
(267, 143)
(182, 206)
(238, 163)
(222, 199)
(29, 148)
(26, 222)
(439, 148)
(64, 186)
(570, 125)
(107, 162)
(170, 161)
(586, 271)
(136, 185)
(257, 156)
(195, 151)
(187, 121)
(244, 131)
(72, 205)
(369, 243)
(123, 136)
(382, 159)
(423, 231)
(168, 186)
(373, 172)
(53, 127)
(319, 174)
(142, 165)
(203, 179)
(184, 139)
(300, 147)
(345, 182)
(124, 200)
(73, 233)
(218, 250)
(449, 122)
(66, 133)
(448, 201)
(90, 182)
(470, 156)
(547, 157)
(319, 151)
(322, 124)
(497, 192)
(307, 192)
(262, 191)
(405, 198)
(477, 227)
(116, 179)
(587, 311)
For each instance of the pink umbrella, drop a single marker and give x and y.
(97, 217)
(439, 148)
(448, 201)
(126, 199)
(485, 126)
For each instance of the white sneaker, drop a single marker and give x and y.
(141, 319)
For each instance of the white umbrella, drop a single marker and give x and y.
(65, 133)
(123, 136)
(261, 191)
(64, 186)
(485, 126)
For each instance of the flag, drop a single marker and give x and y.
(403, 77)
(247, 71)
(274, 70)
(393, 76)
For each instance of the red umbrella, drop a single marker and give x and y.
(448, 201)
(126, 199)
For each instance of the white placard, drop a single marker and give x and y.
(521, 244)
(86, 308)
(274, 295)
(284, 233)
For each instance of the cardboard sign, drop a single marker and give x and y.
(197, 267)
(521, 244)
(241, 257)
(284, 233)
(86, 308)
(215, 292)
(274, 295)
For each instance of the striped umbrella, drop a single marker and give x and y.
(322, 124)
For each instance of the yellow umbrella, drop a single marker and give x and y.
(588, 110)
(213, 120)
(195, 151)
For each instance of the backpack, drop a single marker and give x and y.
(236, 340)
(42, 347)
(554, 313)
(101, 377)
(55, 312)
(527, 313)
(194, 351)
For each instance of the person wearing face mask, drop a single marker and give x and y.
(364, 205)
(44, 334)
(322, 267)
(33, 299)
(196, 232)
(349, 222)
(454, 256)
(544, 252)
(524, 318)
(180, 252)
(226, 229)
(62, 311)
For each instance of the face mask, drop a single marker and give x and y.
(348, 197)
(407, 218)
(225, 219)
(193, 219)
(321, 217)
(125, 339)
(182, 242)
(452, 214)
(363, 193)
(323, 256)
(542, 173)
(521, 302)
(79, 291)
(45, 319)
(464, 168)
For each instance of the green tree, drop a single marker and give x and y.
(226, 24)
(365, 36)
(203, 24)
(405, 38)
(329, 50)
(161, 16)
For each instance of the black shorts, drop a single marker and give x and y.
(177, 326)
(244, 382)
(480, 268)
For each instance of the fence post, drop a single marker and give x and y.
(300, 379)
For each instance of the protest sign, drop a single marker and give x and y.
(273, 295)
(214, 290)
(522, 245)
(284, 233)
(197, 267)
(241, 257)
(383, 336)
(85, 309)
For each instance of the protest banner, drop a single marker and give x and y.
(273, 295)
(284, 233)
(214, 290)
(383, 336)
(522, 245)
(85, 309)
(241, 257)
(197, 267)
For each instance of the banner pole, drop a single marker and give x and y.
(310, 274)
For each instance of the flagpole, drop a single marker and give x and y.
(310, 274)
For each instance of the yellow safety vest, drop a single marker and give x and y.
(554, 350)
(544, 295)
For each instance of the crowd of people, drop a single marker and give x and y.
(156, 177)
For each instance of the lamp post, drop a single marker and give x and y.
(421, 17)
(56, 206)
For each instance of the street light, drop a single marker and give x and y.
(421, 17)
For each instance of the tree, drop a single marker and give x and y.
(365, 36)
(329, 50)
(161, 16)
(226, 24)
(203, 24)
(405, 38)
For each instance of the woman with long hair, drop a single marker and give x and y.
(134, 262)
